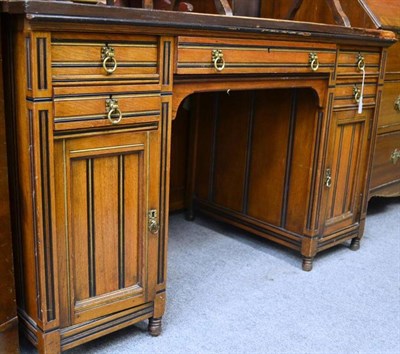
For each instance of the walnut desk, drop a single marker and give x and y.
(92, 93)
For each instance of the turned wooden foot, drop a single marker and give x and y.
(355, 244)
(154, 326)
(307, 263)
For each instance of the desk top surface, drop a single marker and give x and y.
(176, 23)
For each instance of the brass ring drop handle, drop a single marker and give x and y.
(360, 62)
(218, 59)
(108, 57)
(313, 61)
(357, 93)
(112, 109)
(397, 104)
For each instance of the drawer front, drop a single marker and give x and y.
(393, 59)
(386, 165)
(348, 62)
(103, 58)
(81, 110)
(198, 56)
(345, 93)
(389, 116)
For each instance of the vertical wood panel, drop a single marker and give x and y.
(271, 129)
(300, 178)
(231, 149)
(205, 134)
(105, 176)
(133, 172)
(80, 228)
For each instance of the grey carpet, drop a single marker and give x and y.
(230, 292)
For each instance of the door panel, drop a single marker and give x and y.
(347, 156)
(106, 197)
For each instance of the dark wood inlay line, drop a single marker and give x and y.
(91, 228)
(34, 213)
(41, 63)
(96, 65)
(46, 213)
(167, 63)
(28, 63)
(289, 157)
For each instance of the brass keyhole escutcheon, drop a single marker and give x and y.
(397, 104)
(328, 178)
(395, 156)
(153, 225)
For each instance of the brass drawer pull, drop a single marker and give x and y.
(218, 59)
(360, 62)
(108, 57)
(313, 61)
(112, 109)
(356, 93)
(397, 104)
(395, 156)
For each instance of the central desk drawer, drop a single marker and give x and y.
(103, 58)
(76, 109)
(212, 56)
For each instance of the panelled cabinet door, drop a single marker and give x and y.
(105, 186)
(344, 179)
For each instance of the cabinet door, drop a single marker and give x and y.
(346, 168)
(105, 186)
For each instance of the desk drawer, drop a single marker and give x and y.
(345, 93)
(348, 62)
(389, 116)
(103, 58)
(386, 165)
(199, 56)
(77, 109)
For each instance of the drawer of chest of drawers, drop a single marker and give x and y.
(348, 62)
(386, 165)
(389, 116)
(103, 58)
(198, 56)
(103, 106)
